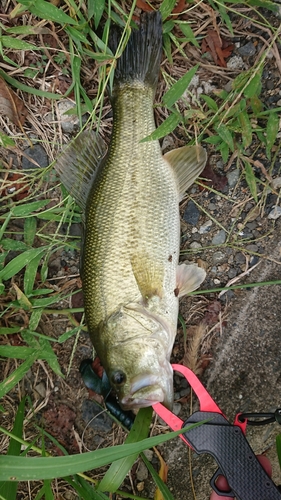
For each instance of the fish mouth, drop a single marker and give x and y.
(145, 391)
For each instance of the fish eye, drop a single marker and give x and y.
(118, 378)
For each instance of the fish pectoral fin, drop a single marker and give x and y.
(79, 163)
(148, 277)
(187, 162)
(189, 278)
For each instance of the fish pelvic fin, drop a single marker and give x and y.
(189, 278)
(187, 163)
(148, 275)
(79, 163)
(140, 60)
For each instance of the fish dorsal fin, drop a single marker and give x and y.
(79, 163)
(189, 278)
(148, 275)
(187, 163)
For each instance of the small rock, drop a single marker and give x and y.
(212, 206)
(240, 258)
(217, 281)
(205, 228)
(251, 225)
(168, 142)
(191, 213)
(232, 273)
(41, 389)
(276, 183)
(218, 257)
(140, 486)
(254, 260)
(252, 248)
(176, 408)
(219, 238)
(223, 268)
(270, 84)
(275, 213)
(36, 153)
(69, 123)
(183, 383)
(142, 472)
(235, 62)
(233, 177)
(195, 245)
(185, 392)
(95, 417)
(149, 454)
(247, 50)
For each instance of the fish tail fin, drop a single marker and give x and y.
(140, 60)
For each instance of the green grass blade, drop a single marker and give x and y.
(30, 273)
(166, 494)
(29, 230)
(246, 128)
(166, 8)
(251, 180)
(8, 489)
(15, 352)
(19, 262)
(7, 330)
(6, 141)
(28, 208)
(272, 129)
(27, 88)
(46, 10)
(16, 376)
(165, 128)
(177, 90)
(17, 246)
(117, 472)
(14, 43)
(30, 468)
(226, 136)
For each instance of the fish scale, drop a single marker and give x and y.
(136, 205)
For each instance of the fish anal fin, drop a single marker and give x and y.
(149, 278)
(79, 163)
(189, 278)
(187, 163)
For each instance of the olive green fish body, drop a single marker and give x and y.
(132, 215)
(131, 278)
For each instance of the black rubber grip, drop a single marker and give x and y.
(234, 456)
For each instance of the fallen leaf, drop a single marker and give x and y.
(163, 474)
(11, 105)
(214, 179)
(219, 48)
(15, 184)
(211, 316)
(141, 4)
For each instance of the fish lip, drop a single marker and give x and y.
(129, 402)
(137, 400)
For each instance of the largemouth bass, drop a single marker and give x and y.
(130, 195)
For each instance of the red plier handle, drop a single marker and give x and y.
(225, 442)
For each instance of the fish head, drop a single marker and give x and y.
(139, 376)
(136, 357)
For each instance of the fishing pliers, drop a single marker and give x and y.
(227, 443)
